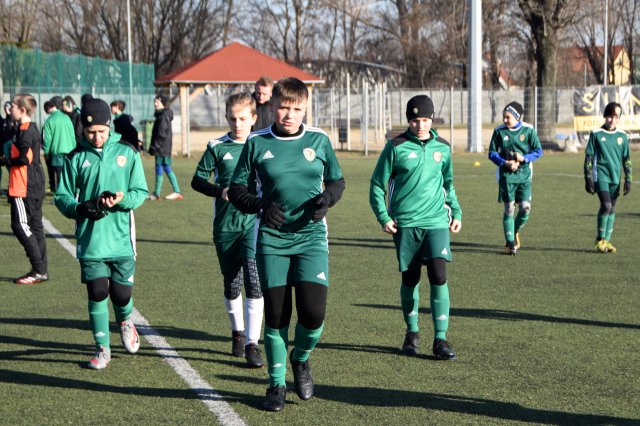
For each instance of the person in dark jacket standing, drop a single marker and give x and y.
(161, 140)
(123, 124)
(26, 189)
(69, 107)
(262, 95)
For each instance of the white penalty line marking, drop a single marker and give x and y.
(212, 399)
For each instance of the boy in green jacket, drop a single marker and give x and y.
(102, 183)
(58, 139)
(413, 198)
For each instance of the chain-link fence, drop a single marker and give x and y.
(47, 74)
(343, 113)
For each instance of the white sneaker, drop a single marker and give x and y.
(100, 359)
(176, 196)
(129, 336)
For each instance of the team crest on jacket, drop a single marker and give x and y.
(619, 141)
(521, 138)
(309, 154)
(121, 160)
(437, 156)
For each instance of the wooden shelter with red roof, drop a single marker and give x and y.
(234, 64)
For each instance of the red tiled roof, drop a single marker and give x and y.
(235, 64)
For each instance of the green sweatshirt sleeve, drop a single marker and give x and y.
(65, 197)
(379, 181)
(451, 199)
(137, 191)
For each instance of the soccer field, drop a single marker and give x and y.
(549, 336)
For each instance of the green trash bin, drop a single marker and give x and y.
(147, 126)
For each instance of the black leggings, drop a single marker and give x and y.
(436, 271)
(311, 305)
(607, 204)
(101, 288)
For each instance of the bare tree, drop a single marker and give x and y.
(547, 20)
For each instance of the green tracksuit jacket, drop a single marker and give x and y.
(87, 173)
(413, 183)
(58, 137)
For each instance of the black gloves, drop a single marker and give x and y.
(627, 187)
(588, 185)
(322, 206)
(4, 161)
(94, 209)
(272, 215)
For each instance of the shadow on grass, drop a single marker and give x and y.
(511, 316)
(464, 247)
(384, 397)
(34, 379)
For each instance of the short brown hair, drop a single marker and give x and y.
(290, 89)
(119, 104)
(26, 101)
(242, 98)
(265, 80)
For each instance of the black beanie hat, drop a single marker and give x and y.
(162, 98)
(420, 106)
(95, 111)
(611, 109)
(57, 102)
(515, 109)
(86, 97)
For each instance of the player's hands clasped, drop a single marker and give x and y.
(273, 215)
(322, 207)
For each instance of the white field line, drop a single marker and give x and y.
(212, 399)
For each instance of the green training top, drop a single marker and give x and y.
(523, 140)
(290, 171)
(58, 135)
(220, 158)
(86, 174)
(606, 154)
(419, 176)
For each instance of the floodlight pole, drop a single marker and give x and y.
(605, 78)
(129, 53)
(475, 77)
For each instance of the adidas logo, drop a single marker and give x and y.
(267, 155)
(444, 251)
(412, 314)
(412, 155)
(228, 156)
(277, 365)
(603, 139)
(86, 164)
(130, 279)
(442, 317)
(99, 334)
(322, 276)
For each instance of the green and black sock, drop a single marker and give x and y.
(410, 300)
(440, 310)
(99, 319)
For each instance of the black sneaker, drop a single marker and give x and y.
(510, 248)
(252, 355)
(411, 342)
(237, 343)
(302, 378)
(275, 398)
(443, 350)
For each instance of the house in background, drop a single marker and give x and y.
(575, 70)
